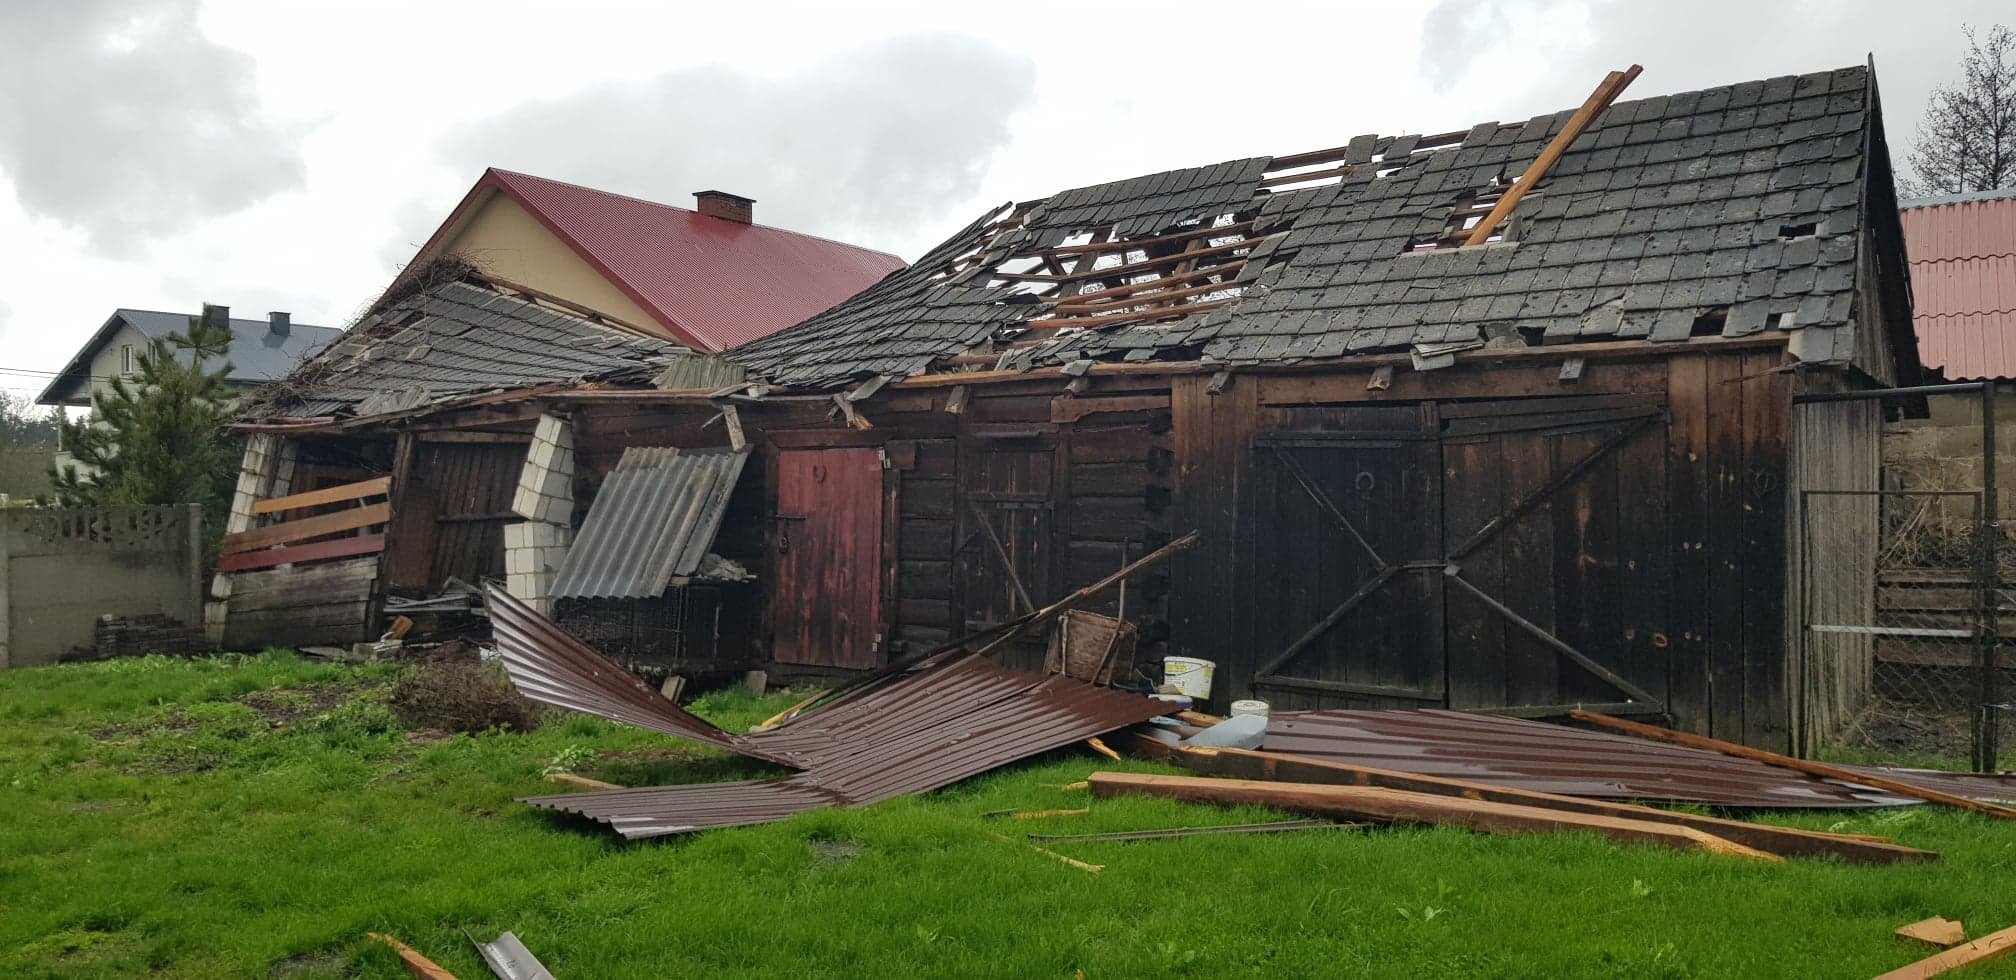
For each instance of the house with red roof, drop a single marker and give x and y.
(708, 278)
(1962, 250)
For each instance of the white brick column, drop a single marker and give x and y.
(266, 471)
(535, 547)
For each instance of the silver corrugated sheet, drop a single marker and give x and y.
(653, 520)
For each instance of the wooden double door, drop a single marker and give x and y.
(1505, 554)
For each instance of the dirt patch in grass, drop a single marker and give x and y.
(327, 964)
(287, 707)
(829, 851)
(460, 696)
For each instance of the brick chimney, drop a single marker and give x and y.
(726, 206)
(278, 323)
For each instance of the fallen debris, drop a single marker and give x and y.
(1276, 827)
(578, 782)
(416, 964)
(1937, 932)
(1783, 841)
(1588, 763)
(1807, 766)
(1399, 806)
(1035, 814)
(910, 731)
(1053, 855)
(1995, 945)
(508, 958)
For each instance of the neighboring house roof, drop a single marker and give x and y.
(1730, 211)
(1963, 282)
(453, 340)
(715, 283)
(257, 355)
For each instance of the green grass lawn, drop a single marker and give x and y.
(255, 816)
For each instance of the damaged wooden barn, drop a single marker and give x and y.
(1496, 419)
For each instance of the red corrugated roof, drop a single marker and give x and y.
(1963, 283)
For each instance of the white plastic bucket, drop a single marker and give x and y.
(1249, 708)
(1189, 675)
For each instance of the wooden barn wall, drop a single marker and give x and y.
(451, 515)
(1835, 446)
(1665, 561)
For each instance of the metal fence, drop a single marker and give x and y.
(1904, 597)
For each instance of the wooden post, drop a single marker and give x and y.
(1599, 100)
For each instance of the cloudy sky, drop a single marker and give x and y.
(165, 153)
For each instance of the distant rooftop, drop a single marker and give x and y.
(257, 354)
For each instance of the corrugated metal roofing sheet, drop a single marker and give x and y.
(1577, 762)
(910, 731)
(653, 520)
(1963, 284)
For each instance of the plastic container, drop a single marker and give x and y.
(1181, 701)
(1249, 708)
(1189, 675)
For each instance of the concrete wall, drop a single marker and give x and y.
(1945, 452)
(506, 241)
(61, 569)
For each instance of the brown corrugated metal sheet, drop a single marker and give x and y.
(652, 521)
(1574, 761)
(1963, 283)
(908, 732)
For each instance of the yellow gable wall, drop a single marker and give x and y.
(505, 240)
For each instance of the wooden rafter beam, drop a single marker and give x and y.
(1599, 100)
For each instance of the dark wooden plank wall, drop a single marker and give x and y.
(468, 488)
(1835, 446)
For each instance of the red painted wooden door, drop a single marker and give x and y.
(827, 604)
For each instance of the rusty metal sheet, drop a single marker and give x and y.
(653, 520)
(910, 731)
(1963, 282)
(1557, 759)
(550, 666)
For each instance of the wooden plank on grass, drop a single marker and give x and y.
(416, 964)
(1937, 932)
(1995, 945)
(308, 527)
(1375, 803)
(327, 495)
(1806, 766)
(1784, 841)
(246, 561)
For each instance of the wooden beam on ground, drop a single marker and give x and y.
(1053, 855)
(307, 527)
(578, 782)
(1806, 766)
(327, 495)
(1399, 806)
(1995, 945)
(1783, 841)
(1937, 932)
(1613, 84)
(416, 964)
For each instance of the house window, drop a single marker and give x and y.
(126, 365)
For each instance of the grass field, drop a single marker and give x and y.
(256, 816)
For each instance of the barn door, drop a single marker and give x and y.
(827, 543)
(1347, 536)
(1007, 532)
(1554, 533)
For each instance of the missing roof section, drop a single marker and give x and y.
(1470, 208)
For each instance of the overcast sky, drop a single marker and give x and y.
(165, 153)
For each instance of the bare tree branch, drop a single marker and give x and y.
(1968, 139)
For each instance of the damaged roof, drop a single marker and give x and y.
(455, 339)
(1730, 211)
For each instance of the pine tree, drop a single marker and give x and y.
(158, 438)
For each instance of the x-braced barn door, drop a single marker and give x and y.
(1556, 552)
(1006, 558)
(1348, 536)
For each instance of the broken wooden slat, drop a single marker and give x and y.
(1806, 766)
(737, 439)
(1992, 946)
(307, 527)
(848, 412)
(578, 782)
(1376, 803)
(416, 964)
(369, 544)
(1053, 855)
(1599, 100)
(1784, 841)
(1937, 932)
(327, 495)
